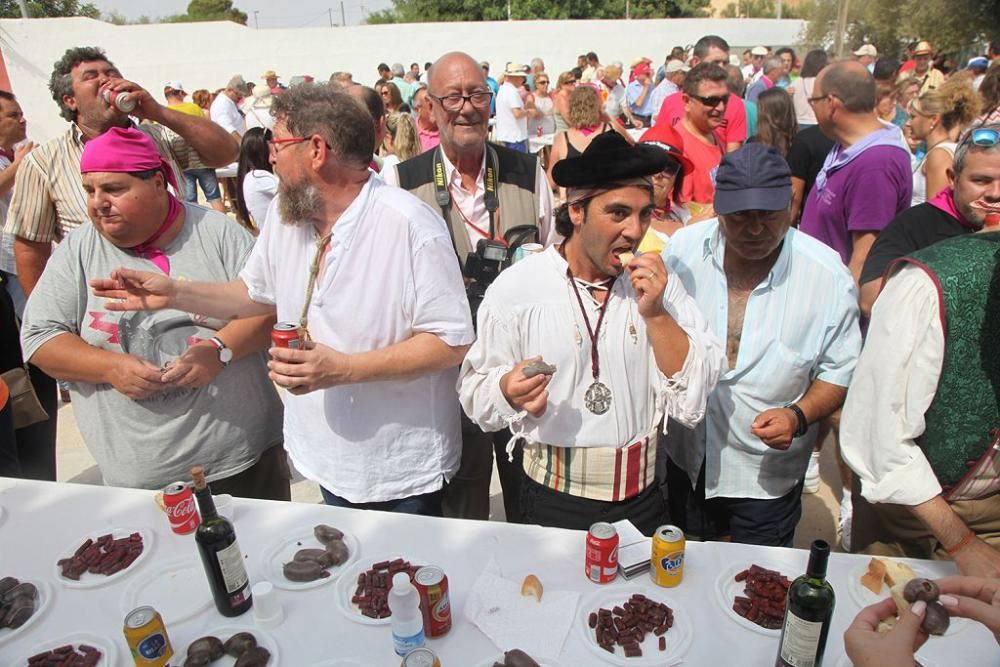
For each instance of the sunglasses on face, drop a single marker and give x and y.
(543, 82)
(712, 101)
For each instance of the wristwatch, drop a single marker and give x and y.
(803, 424)
(225, 354)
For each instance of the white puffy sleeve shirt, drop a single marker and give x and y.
(894, 385)
(531, 310)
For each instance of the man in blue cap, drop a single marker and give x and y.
(786, 309)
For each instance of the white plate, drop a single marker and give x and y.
(177, 589)
(340, 662)
(865, 597)
(726, 590)
(347, 583)
(678, 636)
(88, 580)
(543, 662)
(846, 661)
(282, 551)
(109, 652)
(224, 633)
(3, 514)
(41, 605)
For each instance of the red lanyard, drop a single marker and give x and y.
(482, 232)
(595, 357)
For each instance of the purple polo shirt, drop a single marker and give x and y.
(862, 196)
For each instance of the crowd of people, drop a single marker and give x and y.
(717, 264)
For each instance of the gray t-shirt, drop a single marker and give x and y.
(149, 443)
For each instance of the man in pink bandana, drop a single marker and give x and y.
(157, 392)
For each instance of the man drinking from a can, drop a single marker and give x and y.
(584, 348)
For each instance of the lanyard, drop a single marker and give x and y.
(321, 243)
(595, 357)
(442, 192)
(482, 232)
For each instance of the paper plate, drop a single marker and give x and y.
(924, 662)
(542, 662)
(727, 588)
(109, 652)
(678, 637)
(282, 551)
(347, 583)
(177, 589)
(88, 580)
(865, 597)
(225, 632)
(42, 603)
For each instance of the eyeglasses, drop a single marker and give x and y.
(455, 102)
(542, 81)
(712, 101)
(571, 82)
(985, 136)
(273, 144)
(818, 98)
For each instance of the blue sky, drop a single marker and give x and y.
(270, 14)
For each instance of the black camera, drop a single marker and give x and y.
(490, 258)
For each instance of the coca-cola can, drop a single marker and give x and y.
(121, 101)
(287, 334)
(432, 585)
(602, 553)
(178, 503)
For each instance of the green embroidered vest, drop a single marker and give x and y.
(964, 412)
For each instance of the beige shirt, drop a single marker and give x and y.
(49, 199)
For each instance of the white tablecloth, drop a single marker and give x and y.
(39, 521)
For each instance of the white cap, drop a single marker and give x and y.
(677, 66)
(266, 606)
(867, 50)
(176, 85)
(758, 51)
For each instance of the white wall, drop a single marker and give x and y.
(205, 55)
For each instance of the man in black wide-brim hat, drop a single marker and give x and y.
(584, 348)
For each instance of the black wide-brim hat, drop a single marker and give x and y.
(609, 159)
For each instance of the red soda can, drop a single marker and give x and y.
(178, 503)
(602, 553)
(432, 585)
(287, 334)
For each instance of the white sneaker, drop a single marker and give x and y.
(846, 516)
(812, 474)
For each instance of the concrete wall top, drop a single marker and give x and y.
(206, 55)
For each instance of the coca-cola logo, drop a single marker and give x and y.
(182, 510)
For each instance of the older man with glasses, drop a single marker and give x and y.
(920, 422)
(482, 191)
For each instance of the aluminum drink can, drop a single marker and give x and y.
(432, 585)
(121, 101)
(421, 657)
(287, 334)
(602, 553)
(992, 220)
(667, 558)
(147, 638)
(178, 503)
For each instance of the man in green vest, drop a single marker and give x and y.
(475, 206)
(921, 425)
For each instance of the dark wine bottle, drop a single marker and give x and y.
(808, 613)
(220, 553)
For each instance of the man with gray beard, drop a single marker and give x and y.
(368, 273)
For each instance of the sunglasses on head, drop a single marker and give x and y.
(712, 101)
(985, 136)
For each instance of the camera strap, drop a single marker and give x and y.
(442, 194)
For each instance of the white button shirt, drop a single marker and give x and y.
(509, 128)
(390, 274)
(226, 114)
(531, 310)
(800, 325)
(894, 385)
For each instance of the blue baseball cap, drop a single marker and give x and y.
(753, 178)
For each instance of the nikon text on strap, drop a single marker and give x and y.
(490, 197)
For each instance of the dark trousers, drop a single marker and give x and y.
(268, 479)
(510, 473)
(31, 453)
(768, 522)
(546, 507)
(425, 504)
(468, 493)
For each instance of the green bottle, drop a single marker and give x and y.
(808, 613)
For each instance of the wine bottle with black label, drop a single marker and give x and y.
(220, 553)
(808, 613)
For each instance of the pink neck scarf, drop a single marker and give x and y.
(945, 200)
(151, 252)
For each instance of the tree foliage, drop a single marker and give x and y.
(951, 26)
(760, 9)
(419, 11)
(10, 9)
(210, 10)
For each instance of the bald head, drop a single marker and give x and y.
(452, 67)
(850, 82)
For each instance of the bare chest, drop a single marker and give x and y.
(734, 324)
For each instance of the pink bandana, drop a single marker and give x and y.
(945, 200)
(127, 150)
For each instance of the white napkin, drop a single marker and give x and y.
(495, 605)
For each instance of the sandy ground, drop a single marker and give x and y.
(819, 510)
